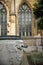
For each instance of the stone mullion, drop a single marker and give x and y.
(28, 24)
(25, 22)
(21, 25)
(0, 23)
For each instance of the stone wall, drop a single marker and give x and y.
(12, 7)
(32, 41)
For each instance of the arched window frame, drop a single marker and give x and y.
(26, 33)
(3, 22)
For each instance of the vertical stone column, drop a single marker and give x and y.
(0, 23)
(12, 16)
(32, 25)
(12, 7)
(12, 29)
(36, 27)
(17, 26)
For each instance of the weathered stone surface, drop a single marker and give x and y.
(10, 52)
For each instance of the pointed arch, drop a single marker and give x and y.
(7, 9)
(24, 20)
(4, 4)
(27, 3)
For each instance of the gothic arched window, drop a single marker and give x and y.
(3, 21)
(24, 20)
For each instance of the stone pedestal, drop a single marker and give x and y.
(10, 52)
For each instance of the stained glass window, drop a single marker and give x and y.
(24, 20)
(3, 21)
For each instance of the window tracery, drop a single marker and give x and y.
(3, 21)
(24, 20)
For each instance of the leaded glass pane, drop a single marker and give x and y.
(3, 22)
(24, 19)
(1, 6)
